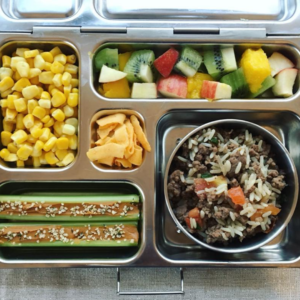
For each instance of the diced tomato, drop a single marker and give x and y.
(194, 213)
(237, 195)
(200, 184)
(273, 209)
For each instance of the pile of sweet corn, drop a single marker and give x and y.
(39, 100)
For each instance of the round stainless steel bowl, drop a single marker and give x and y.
(290, 192)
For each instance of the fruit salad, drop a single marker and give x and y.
(212, 73)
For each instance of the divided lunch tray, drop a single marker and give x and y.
(81, 27)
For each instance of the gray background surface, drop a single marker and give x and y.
(201, 284)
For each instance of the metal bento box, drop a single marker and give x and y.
(83, 27)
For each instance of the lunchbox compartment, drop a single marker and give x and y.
(287, 50)
(176, 246)
(121, 255)
(93, 136)
(68, 49)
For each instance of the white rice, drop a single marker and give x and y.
(220, 137)
(238, 168)
(182, 158)
(232, 216)
(206, 145)
(202, 214)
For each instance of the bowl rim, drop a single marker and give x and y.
(269, 236)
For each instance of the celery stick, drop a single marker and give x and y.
(78, 243)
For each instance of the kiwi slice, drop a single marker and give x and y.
(108, 57)
(267, 83)
(189, 62)
(139, 66)
(238, 83)
(220, 61)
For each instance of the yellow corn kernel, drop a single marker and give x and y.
(71, 59)
(72, 69)
(6, 137)
(57, 67)
(8, 126)
(3, 103)
(31, 139)
(45, 95)
(51, 158)
(3, 111)
(62, 143)
(21, 84)
(39, 62)
(66, 79)
(20, 104)
(61, 58)
(5, 72)
(12, 148)
(49, 123)
(19, 136)
(45, 135)
(58, 99)
(54, 90)
(58, 115)
(36, 132)
(38, 96)
(68, 129)
(16, 76)
(10, 114)
(67, 90)
(61, 153)
(11, 101)
(28, 121)
(68, 111)
(5, 84)
(46, 77)
(38, 123)
(47, 56)
(55, 51)
(69, 158)
(57, 80)
(18, 94)
(39, 112)
(6, 60)
(52, 110)
(31, 105)
(21, 51)
(47, 66)
(20, 164)
(50, 144)
(39, 145)
(46, 119)
(6, 93)
(34, 72)
(73, 99)
(73, 122)
(31, 53)
(12, 157)
(35, 80)
(36, 162)
(14, 61)
(4, 153)
(23, 68)
(42, 159)
(20, 123)
(24, 152)
(74, 83)
(45, 103)
(31, 91)
(58, 127)
(73, 142)
(75, 90)
(30, 62)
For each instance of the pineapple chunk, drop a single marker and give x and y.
(256, 68)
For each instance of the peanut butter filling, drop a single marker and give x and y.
(51, 210)
(21, 234)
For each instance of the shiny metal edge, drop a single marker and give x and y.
(151, 111)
